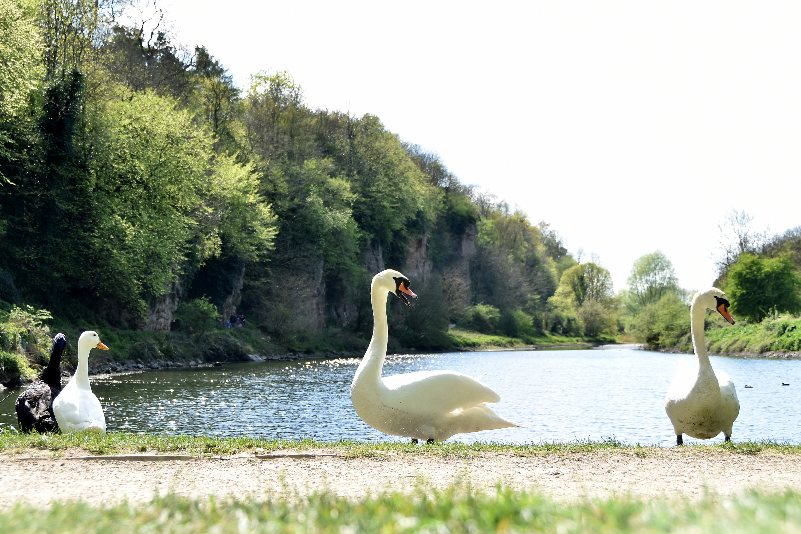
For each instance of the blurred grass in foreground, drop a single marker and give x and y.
(454, 510)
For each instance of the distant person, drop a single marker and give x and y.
(232, 321)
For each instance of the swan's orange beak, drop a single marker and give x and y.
(406, 290)
(403, 287)
(724, 311)
(100, 345)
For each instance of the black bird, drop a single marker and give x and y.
(35, 404)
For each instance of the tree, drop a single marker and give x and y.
(145, 203)
(72, 31)
(20, 48)
(736, 237)
(758, 286)
(595, 317)
(652, 276)
(586, 281)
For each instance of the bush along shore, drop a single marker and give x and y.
(775, 338)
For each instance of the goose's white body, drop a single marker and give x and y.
(76, 408)
(702, 402)
(427, 405)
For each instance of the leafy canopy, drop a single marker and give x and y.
(758, 286)
(652, 276)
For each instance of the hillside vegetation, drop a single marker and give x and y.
(761, 275)
(144, 195)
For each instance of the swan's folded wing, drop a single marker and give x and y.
(67, 412)
(441, 391)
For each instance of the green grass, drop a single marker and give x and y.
(456, 509)
(12, 442)
(775, 334)
(469, 339)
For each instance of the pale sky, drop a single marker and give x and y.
(630, 126)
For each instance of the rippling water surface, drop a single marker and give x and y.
(557, 396)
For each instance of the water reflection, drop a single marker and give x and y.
(555, 395)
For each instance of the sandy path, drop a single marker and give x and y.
(669, 472)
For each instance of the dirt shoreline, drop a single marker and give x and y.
(40, 479)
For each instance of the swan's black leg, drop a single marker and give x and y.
(414, 440)
(728, 438)
(430, 440)
(679, 440)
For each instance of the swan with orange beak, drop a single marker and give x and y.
(425, 405)
(702, 402)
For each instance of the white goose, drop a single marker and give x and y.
(429, 405)
(76, 407)
(702, 402)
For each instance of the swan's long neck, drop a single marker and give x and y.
(81, 376)
(52, 374)
(373, 361)
(697, 313)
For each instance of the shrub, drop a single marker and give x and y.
(758, 286)
(662, 323)
(481, 318)
(198, 316)
(565, 324)
(23, 330)
(516, 323)
(595, 318)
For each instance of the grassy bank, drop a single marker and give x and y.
(777, 334)
(455, 510)
(466, 339)
(12, 442)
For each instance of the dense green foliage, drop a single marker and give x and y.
(22, 333)
(586, 301)
(137, 178)
(759, 287)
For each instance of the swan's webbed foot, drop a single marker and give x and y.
(414, 441)
(679, 439)
(726, 438)
(430, 440)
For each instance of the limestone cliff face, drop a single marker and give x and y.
(417, 266)
(311, 314)
(158, 315)
(469, 242)
(233, 300)
(374, 257)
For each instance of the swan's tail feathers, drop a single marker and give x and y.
(481, 417)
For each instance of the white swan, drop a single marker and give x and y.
(429, 405)
(76, 407)
(702, 402)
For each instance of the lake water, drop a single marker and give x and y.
(557, 395)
